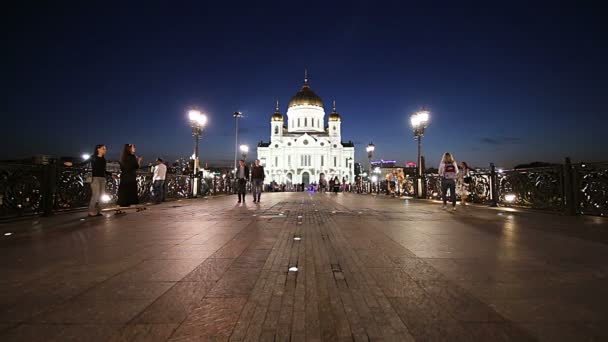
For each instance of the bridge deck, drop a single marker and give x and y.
(368, 268)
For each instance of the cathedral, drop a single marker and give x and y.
(305, 146)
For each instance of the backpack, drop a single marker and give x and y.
(449, 171)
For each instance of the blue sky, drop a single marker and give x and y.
(504, 84)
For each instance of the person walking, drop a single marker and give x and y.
(322, 183)
(336, 185)
(464, 181)
(242, 175)
(257, 178)
(448, 171)
(127, 190)
(158, 181)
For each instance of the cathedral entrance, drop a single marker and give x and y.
(306, 178)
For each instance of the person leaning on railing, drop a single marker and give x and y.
(97, 178)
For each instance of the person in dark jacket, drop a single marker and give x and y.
(242, 175)
(98, 180)
(127, 190)
(336, 185)
(257, 180)
(97, 164)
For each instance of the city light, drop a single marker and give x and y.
(374, 178)
(85, 156)
(293, 269)
(419, 122)
(510, 198)
(8, 234)
(105, 198)
(197, 117)
(370, 148)
(420, 119)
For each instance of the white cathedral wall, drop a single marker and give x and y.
(281, 161)
(305, 119)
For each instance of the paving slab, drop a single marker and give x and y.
(306, 267)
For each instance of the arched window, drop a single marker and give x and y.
(305, 122)
(276, 129)
(298, 122)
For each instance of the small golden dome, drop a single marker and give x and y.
(334, 116)
(277, 116)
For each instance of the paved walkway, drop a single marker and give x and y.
(368, 269)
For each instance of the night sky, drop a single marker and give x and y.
(507, 85)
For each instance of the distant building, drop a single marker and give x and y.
(305, 147)
(384, 163)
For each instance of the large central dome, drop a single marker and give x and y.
(305, 97)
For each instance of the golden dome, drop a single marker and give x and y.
(334, 116)
(305, 97)
(277, 116)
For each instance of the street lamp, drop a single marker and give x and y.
(85, 156)
(370, 154)
(198, 122)
(236, 116)
(244, 149)
(420, 121)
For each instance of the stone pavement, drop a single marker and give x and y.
(369, 268)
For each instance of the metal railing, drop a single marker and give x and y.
(570, 188)
(45, 189)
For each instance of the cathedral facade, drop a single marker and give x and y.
(305, 146)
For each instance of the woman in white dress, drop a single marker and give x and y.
(463, 182)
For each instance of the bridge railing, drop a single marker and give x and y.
(43, 189)
(570, 188)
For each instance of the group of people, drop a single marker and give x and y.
(453, 177)
(257, 180)
(127, 189)
(334, 184)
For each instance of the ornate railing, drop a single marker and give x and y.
(43, 189)
(571, 188)
(20, 189)
(539, 188)
(591, 196)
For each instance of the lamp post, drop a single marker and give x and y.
(244, 149)
(198, 122)
(370, 154)
(419, 122)
(236, 116)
